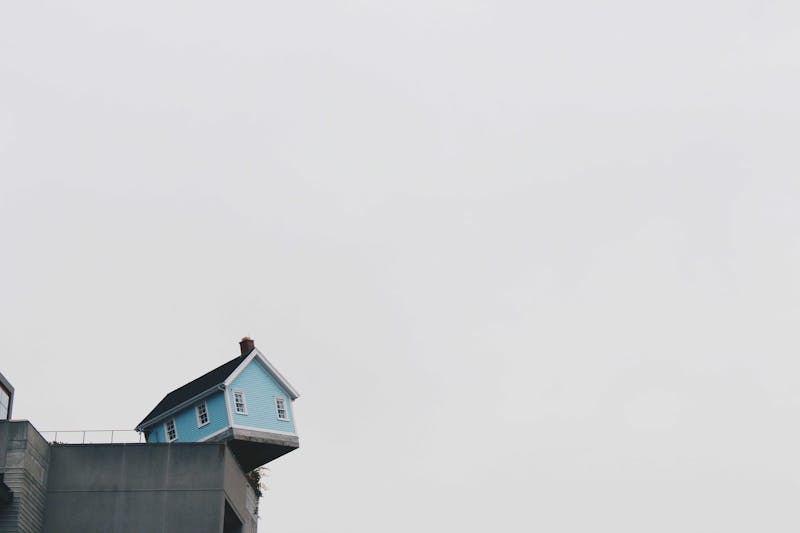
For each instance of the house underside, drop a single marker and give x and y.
(253, 448)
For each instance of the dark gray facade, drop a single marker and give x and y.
(122, 488)
(24, 461)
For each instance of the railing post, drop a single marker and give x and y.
(83, 438)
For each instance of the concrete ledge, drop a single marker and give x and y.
(254, 448)
(266, 437)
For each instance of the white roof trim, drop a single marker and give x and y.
(256, 354)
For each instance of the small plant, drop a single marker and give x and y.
(255, 478)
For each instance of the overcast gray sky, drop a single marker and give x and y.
(533, 266)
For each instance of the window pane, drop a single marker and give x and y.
(171, 433)
(202, 414)
(239, 403)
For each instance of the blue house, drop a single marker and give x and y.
(245, 402)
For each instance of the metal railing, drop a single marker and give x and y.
(94, 436)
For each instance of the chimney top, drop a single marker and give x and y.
(247, 345)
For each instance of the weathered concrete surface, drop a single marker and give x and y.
(241, 494)
(24, 458)
(254, 448)
(127, 488)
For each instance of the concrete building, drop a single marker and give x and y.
(183, 485)
(24, 463)
(121, 488)
(139, 487)
(6, 404)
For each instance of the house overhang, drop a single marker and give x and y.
(254, 448)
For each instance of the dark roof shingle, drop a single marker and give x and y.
(194, 387)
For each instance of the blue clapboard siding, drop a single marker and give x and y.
(186, 421)
(260, 390)
(156, 434)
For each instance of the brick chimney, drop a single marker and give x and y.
(247, 345)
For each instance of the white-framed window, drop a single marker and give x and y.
(239, 402)
(202, 414)
(170, 430)
(280, 408)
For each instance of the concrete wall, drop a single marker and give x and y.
(130, 488)
(24, 458)
(121, 488)
(240, 494)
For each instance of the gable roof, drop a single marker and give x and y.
(194, 388)
(220, 377)
(256, 355)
